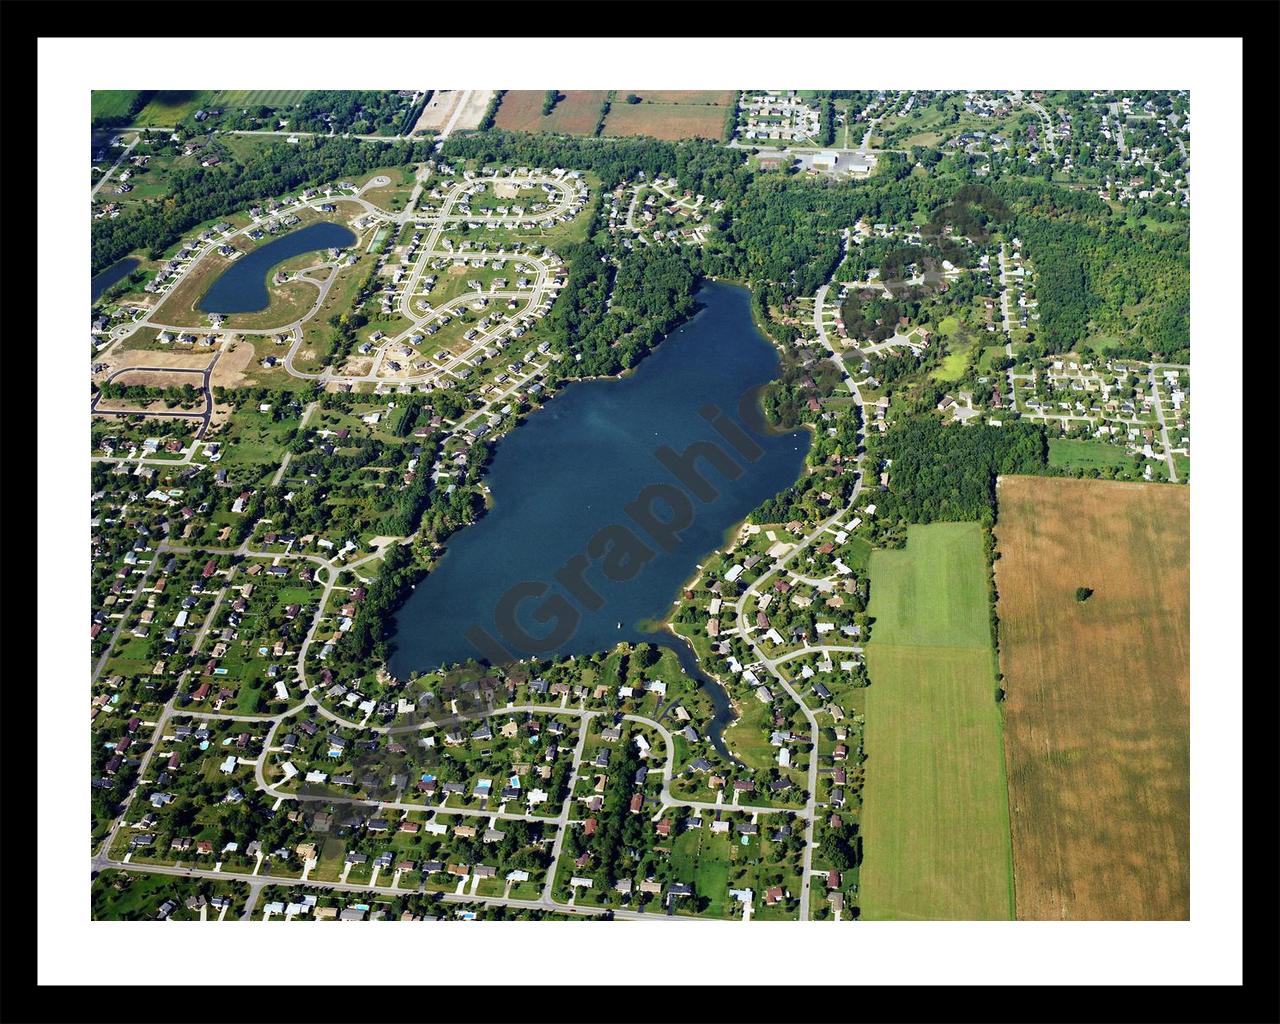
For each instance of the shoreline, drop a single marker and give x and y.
(658, 627)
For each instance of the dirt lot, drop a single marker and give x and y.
(119, 358)
(444, 102)
(1097, 715)
(473, 112)
(157, 379)
(357, 366)
(435, 115)
(228, 372)
(576, 114)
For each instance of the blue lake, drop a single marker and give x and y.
(571, 470)
(115, 272)
(242, 287)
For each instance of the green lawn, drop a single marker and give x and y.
(123, 895)
(935, 805)
(857, 553)
(988, 357)
(748, 737)
(704, 858)
(952, 367)
(1065, 453)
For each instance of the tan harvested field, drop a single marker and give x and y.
(691, 97)
(1097, 717)
(665, 120)
(576, 114)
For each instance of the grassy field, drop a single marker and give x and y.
(1065, 453)
(576, 114)
(168, 108)
(1097, 717)
(935, 810)
(393, 196)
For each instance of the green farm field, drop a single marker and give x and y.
(168, 108)
(933, 592)
(273, 98)
(935, 806)
(112, 102)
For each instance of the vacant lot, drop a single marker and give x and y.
(665, 120)
(935, 810)
(576, 114)
(1069, 453)
(1097, 715)
(442, 106)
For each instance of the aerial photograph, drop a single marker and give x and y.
(563, 505)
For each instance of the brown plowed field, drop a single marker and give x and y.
(665, 120)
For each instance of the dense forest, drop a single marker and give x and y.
(1100, 274)
(946, 473)
(373, 621)
(608, 318)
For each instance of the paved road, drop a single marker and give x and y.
(112, 170)
(139, 588)
(1048, 126)
(203, 631)
(204, 386)
(1008, 325)
(1164, 432)
(284, 462)
(739, 619)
